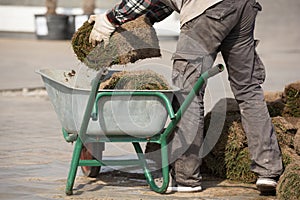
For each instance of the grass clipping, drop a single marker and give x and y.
(130, 42)
(136, 80)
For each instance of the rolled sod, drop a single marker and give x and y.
(136, 80)
(291, 98)
(289, 183)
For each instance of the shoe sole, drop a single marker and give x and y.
(184, 189)
(266, 189)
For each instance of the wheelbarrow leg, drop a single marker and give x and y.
(83, 129)
(165, 167)
(73, 167)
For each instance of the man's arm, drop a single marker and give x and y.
(128, 10)
(159, 12)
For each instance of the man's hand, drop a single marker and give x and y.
(102, 29)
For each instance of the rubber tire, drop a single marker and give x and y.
(91, 171)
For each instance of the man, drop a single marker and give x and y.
(209, 27)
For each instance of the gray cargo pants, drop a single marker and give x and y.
(227, 27)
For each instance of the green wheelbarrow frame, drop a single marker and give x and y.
(91, 112)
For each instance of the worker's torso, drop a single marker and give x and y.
(189, 9)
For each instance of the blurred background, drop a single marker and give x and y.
(22, 16)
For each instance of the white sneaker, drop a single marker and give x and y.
(182, 188)
(266, 184)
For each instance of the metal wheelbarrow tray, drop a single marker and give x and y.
(91, 117)
(119, 115)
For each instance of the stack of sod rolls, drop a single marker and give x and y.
(130, 42)
(230, 157)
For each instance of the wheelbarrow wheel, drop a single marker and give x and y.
(96, 148)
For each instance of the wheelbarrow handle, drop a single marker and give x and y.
(215, 70)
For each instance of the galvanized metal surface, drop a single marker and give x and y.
(133, 115)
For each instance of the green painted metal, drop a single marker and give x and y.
(162, 96)
(196, 88)
(69, 137)
(90, 104)
(82, 135)
(91, 111)
(109, 162)
(148, 175)
(73, 167)
(122, 138)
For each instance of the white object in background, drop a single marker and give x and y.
(79, 20)
(19, 18)
(41, 26)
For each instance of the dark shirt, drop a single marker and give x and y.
(129, 10)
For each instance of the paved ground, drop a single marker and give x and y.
(34, 156)
(35, 161)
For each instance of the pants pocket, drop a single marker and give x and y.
(186, 71)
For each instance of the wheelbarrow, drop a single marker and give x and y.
(93, 117)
